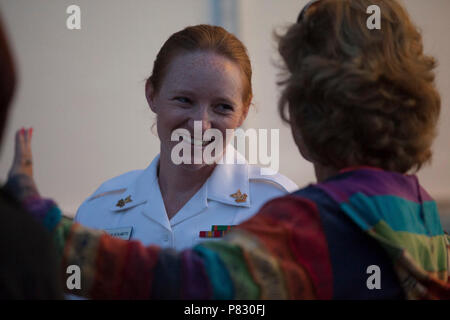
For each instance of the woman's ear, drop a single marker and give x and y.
(150, 95)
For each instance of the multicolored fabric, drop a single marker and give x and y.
(281, 253)
(402, 217)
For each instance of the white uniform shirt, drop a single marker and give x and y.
(211, 205)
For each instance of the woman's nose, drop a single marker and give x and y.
(202, 115)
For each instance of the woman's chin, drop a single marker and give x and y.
(193, 166)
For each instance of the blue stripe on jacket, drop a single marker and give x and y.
(351, 252)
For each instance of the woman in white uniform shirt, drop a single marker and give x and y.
(201, 73)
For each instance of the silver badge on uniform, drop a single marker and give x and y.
(123, 233)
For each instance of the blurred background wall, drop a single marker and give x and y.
(83, 90)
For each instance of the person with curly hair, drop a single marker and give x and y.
(363, 108)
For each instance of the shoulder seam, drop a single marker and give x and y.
(109, 187)
(106, 193)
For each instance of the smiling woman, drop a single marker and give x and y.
(199, 86)
(201, 81)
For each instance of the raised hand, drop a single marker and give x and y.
(20, 177)
(23, 160)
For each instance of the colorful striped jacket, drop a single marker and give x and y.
(321, 242)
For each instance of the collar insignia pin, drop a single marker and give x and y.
(122, 202)
(239, 197)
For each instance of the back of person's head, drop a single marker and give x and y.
(7, 79)
(359, 96)
(203, 38)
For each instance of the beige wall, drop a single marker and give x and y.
(82, 90)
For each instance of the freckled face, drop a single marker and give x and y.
(199, 86)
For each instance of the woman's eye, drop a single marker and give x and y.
(225, 108)
(182, 99)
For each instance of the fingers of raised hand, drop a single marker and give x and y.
(23, 155)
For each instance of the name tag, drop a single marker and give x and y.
(217, 231)
(121, 233)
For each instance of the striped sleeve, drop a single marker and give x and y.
(268, 257)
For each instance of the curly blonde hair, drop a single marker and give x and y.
(360, 96)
